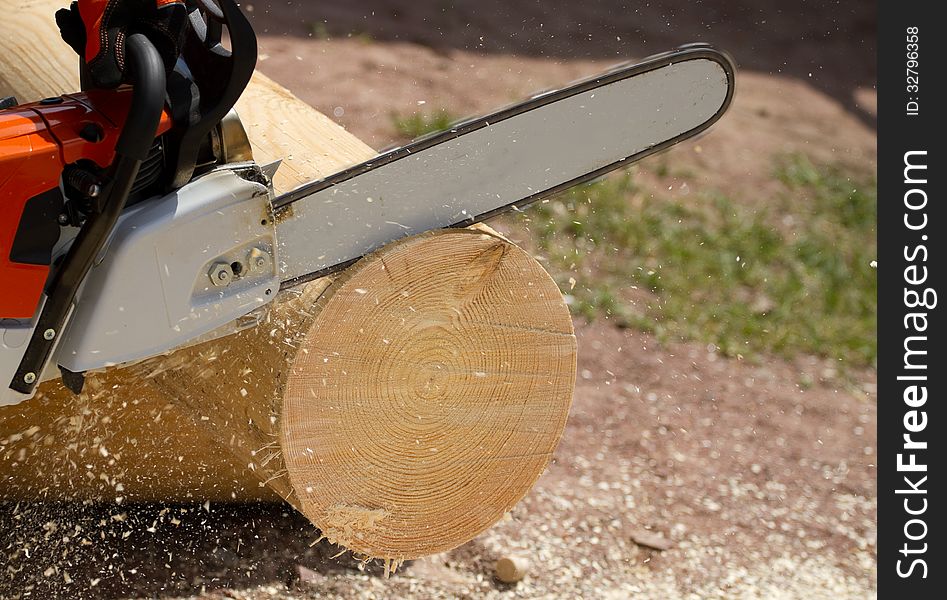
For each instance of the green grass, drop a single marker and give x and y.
(788, 274)
(420, 124)
(319, 30)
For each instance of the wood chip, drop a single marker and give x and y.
(308, 576)
(511, 569)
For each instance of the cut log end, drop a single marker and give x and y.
(430, 393)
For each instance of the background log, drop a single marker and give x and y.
(403, 408)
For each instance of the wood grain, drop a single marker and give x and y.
(36, 63)
(431, 390)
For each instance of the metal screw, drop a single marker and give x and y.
(30, 378)
(259, 260)
(63, 219)
(49, 334)
(221, 275)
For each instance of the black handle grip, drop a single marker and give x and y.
(148, 96)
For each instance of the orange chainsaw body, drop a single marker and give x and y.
(37, 141)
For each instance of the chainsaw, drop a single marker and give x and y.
(134, 219)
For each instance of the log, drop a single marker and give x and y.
(426, 390)
(402, 406)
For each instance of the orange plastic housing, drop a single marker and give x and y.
(36, 142)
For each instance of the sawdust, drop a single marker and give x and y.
(708, 451)
(345, 525)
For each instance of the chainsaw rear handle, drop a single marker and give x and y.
(134, 143)
(216, 76)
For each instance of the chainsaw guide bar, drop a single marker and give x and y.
(504, 161)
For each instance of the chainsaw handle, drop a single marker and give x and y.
(137, 136)
(148, 99)
(215, 77)
(98, 30)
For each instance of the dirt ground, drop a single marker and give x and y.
(758, 473)
(761, 482)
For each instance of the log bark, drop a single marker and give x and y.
(403, 407)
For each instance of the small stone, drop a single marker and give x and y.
(650, 539)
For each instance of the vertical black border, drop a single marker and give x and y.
(899, 249)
